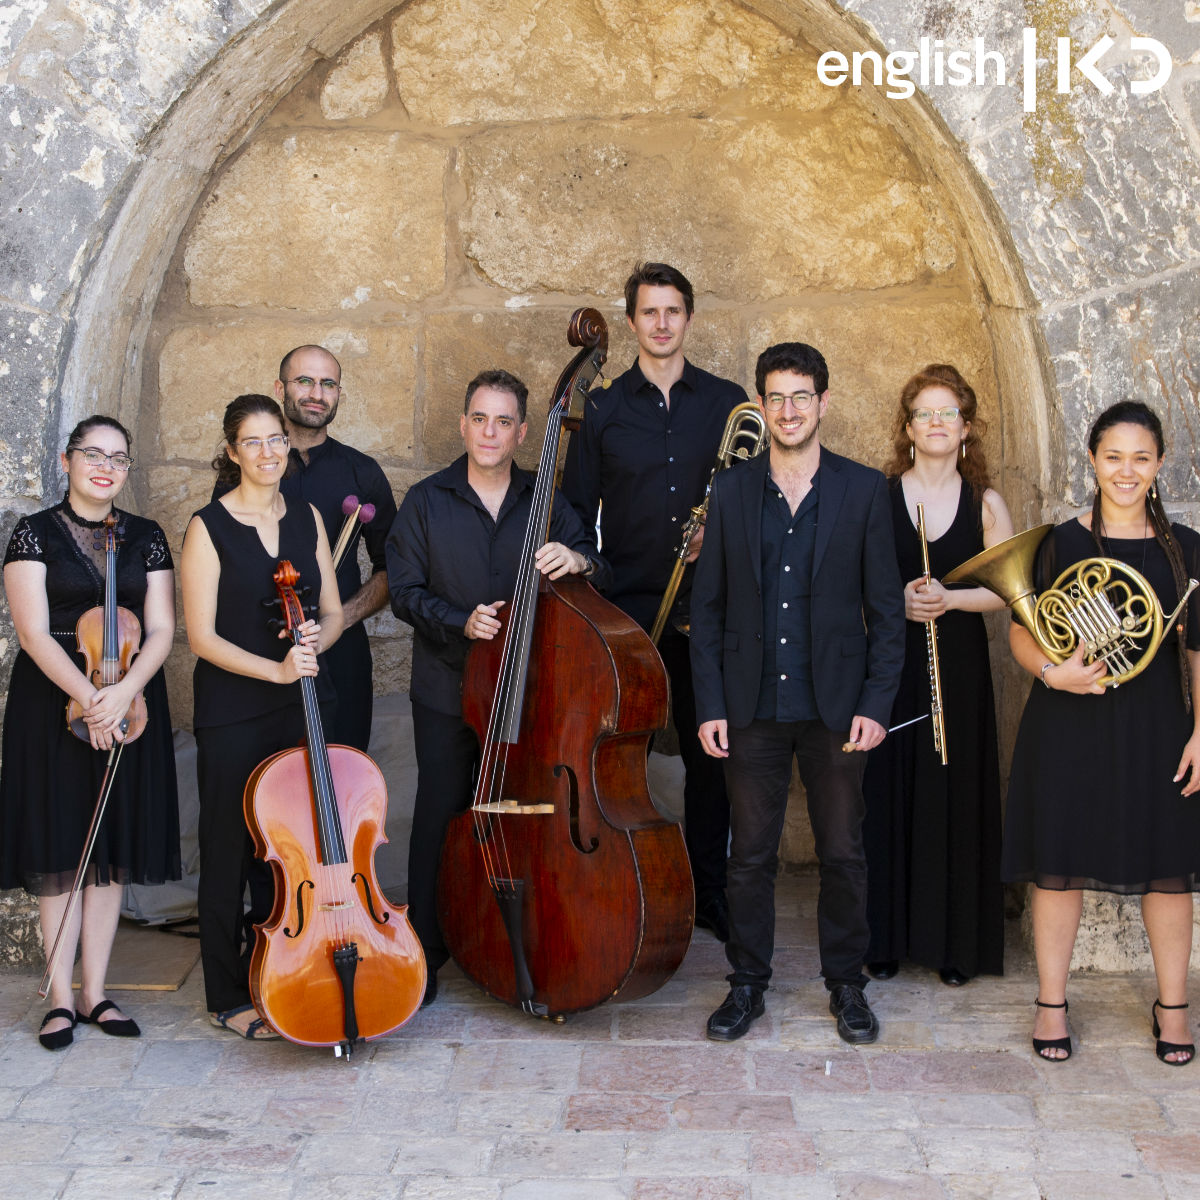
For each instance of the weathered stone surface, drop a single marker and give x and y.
(1176, 25)
(203, 367)
(358, 85)
(52, 191)
(871, 350)
(820, 206)
(20, 931)
(363, 220)
(27, 369)
(1141, 342)
(476, 61)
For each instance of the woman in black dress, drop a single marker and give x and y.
(932, 832)
(54, 571)
(246, 682)
(1102, 781)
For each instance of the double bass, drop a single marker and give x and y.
(562, 887)
(335, 962)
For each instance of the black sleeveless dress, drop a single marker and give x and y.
(932, 833)
(51, 780)
(1092, 802)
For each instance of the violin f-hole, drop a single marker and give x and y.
(360, 878)
(299, 908)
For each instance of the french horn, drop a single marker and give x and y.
(1100, 602)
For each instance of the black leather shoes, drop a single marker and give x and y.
(856, 1023)
(732, 1020)
(884, 969)
(953, 977)
(713, 913)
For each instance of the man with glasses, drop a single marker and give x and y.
(797, 648)
(324, 472)
(642, 459)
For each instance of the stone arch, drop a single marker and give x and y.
(229, 97)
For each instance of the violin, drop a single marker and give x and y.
(109, 638)
(562, 887)
(334, 963)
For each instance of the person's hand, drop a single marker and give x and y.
(108, 706)
(865, 734)
(1074, 675)
(483, 623)
(714, 737)
(924, 601)
(695, 544)
(301, 660)
(1190, 762)
(555, 559)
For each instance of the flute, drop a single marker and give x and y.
(931, 651)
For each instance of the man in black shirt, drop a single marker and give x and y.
(324, 472)
(452, 558)
(643, 457)
(797, 648)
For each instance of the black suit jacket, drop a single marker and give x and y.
(857, 598)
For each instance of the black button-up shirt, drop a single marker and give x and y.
(445, 555)
(644, 465)
(333, 472)
(788, 543)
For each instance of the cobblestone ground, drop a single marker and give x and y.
(473, 1102)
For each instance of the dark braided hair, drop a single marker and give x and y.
(1134, 412)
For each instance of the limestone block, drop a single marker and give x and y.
(27, 366)
(358, 84)
(202, 367)
(480, 61)
(177, 671)
(1142, 342)
(391, 663)
(1176, 25)
(52, 191)
(364, 221)
(1126, 206)
(781, 207)
(872, 349)
(169, 494)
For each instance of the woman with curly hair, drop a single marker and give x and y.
(932, 832)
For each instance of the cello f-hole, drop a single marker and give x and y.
(359, 877)
(299, 908)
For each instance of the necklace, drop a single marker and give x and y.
(1145, 540)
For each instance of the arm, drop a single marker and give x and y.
(369, 599)
(329, 605)
(709, 599)
(373, 595)
(1189, 761)
(200, 573)
(1070, 676)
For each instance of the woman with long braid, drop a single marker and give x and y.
(1102, 792)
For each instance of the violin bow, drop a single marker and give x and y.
(110, 774)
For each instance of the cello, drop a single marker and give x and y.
(562, 887)
(334, 963)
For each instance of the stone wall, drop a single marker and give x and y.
(1054, 253)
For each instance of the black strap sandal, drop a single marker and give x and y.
(1041, 1045)
(1161, 1048)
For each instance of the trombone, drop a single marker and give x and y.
(744, 436)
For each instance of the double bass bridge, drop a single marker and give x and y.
(512, 807)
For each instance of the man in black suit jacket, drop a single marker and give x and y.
(797, 648)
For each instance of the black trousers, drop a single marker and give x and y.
(705, 801)
(447, 764)
(348, 664)
(758, 771)
(225, 757)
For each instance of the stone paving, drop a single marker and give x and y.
(474, 1102)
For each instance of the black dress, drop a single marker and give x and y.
(51, 779)
(1091, 801)
(932, 833)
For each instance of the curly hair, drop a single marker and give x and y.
(972, 464)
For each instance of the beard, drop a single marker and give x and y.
(307, 420)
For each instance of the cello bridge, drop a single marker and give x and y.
(336, 906)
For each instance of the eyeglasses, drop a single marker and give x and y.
(308, 383)
(276, 443)
(95, 458)
(922, 416)
(801, 401)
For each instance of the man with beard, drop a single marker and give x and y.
(324, 472)
(797, 648)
